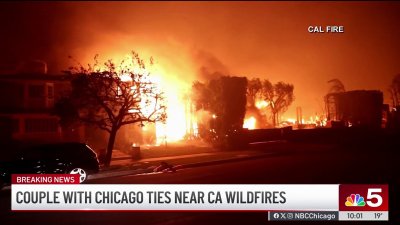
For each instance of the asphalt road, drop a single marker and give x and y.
(314, 164)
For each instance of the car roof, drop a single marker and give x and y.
(50, 146)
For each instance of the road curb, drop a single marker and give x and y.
(177, 167)
(118, 173)
(216, 162)
(180, 166)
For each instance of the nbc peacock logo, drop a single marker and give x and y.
(355, 200)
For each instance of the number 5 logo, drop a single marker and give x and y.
(373, 193)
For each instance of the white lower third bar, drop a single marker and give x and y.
(363, 216)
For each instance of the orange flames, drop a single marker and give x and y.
(261, 104)
(180, 117)
(250, 123)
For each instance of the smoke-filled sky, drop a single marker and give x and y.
(191, 40)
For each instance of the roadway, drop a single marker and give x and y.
(314, 164)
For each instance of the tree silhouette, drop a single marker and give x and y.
(254, 88)
(110, 96)
(279, 97)
(337, 86)
(395, 90)
(225, 99)
(201, 95)
(331, 98)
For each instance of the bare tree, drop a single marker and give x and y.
(110, 96)
(279, 97)
(254, 88)
(395, 90)
(337, 86)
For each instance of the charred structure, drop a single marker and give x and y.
(359, 108)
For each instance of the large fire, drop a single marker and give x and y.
(261, 104)
(175, 126)
(180, 119)
(250, 123)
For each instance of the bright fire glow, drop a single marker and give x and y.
(316, 120)
(250, 123)
(174, 129)
(180, 120)
(261, 104)
(125, 77)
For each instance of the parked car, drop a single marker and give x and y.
(67, 158)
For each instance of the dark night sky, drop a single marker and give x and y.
(264, 39)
